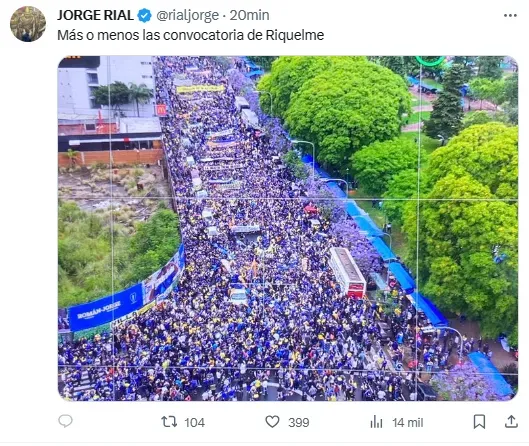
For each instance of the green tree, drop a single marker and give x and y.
(483, 117)
(295, 165)
(347, 107)
(512, 113)
(402, 186)
(139, 94)
(511, 89)
(376, 164)
(400, 65)
(445, 119)
(153, 244)
(488, 153)
(489, 66)
(462, 219)
(89, 247)
(511, 98)
(467, 62)
(460, 274)
(480, 89)
(497, 92)
(483, 88)
(84, 252)
(287, 76)
(115, 95)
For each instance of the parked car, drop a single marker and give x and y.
(385, 332)
(426, 392)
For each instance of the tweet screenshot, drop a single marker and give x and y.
(264, 222)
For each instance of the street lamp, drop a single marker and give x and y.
(271, 99)
(297, 141)
(453, 329)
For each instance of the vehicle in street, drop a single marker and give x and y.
(385, 333)
(347, 273)
(426, 392)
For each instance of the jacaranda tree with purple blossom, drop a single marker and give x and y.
(465, 383)
(344, 230)
(242, 86)
(365, 256)
(329, 206)
(278, 136)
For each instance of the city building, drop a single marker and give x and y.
(85, 125)
(79, 76)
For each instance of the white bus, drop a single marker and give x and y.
(250, 118)
(347, 274)
(241, 103)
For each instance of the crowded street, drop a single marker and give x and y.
(258, 313)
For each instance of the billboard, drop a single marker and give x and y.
(110, 308)
(195, 88)
(106, 309)
(161, 110)
(159, 284)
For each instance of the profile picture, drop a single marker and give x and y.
(28, 24)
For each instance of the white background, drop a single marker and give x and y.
(29, 402)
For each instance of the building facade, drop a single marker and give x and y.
(78, 76)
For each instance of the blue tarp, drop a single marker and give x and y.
(335, 189)
(250, 63)
(383, 249)
(426, 306)
(321, 172)
(415, 81)
(491, 373)
(405, 280)
(368, 226)
(307, 159)
(352, 209)
(254, 73)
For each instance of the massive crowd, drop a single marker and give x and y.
(297, 336)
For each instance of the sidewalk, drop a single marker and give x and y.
(500, 358)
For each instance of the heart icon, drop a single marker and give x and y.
(272, 420)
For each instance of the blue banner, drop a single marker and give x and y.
(106, 309)
(181, 258)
